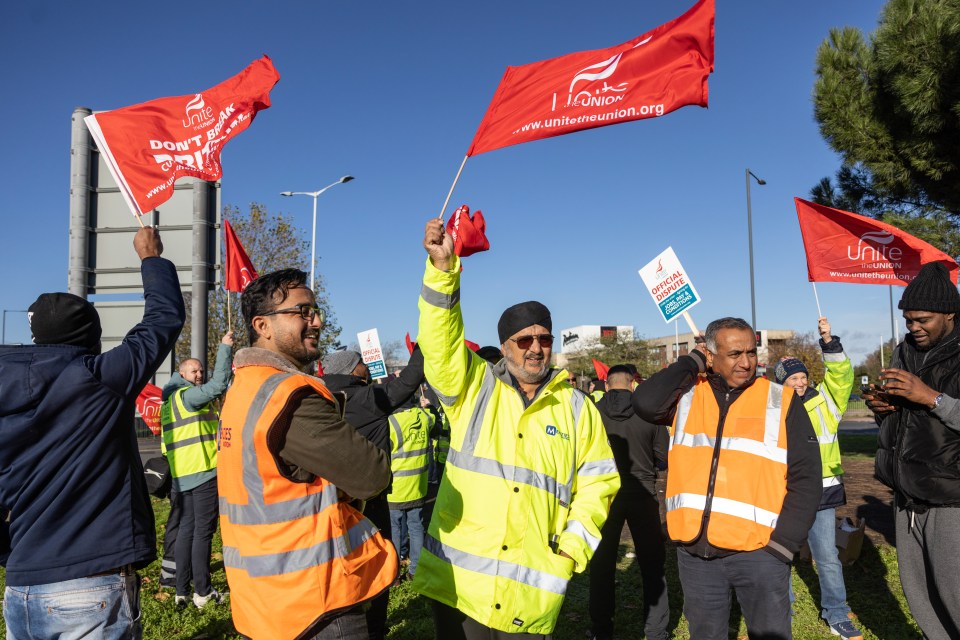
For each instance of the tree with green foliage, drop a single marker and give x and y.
(871, 364)
(890, 105)
(805, 347)
(273, 242)
(612, 350)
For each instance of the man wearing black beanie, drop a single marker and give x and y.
(918, 410)
(529, 476)
(80, 523)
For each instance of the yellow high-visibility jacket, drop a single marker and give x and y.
(520, 485)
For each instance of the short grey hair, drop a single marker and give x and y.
(723, 323)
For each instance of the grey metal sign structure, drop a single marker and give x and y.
(102, 260)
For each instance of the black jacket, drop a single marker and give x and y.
(656, 400)
(369, 405)
(919, 455)
(637, 444)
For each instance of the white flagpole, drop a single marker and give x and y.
(817, 298)
(881, 352)
(450, 193)
(676, 344)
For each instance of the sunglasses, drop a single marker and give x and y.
(305, 311)
(525, 342)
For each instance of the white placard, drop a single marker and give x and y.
(371, 353)
(668, 285)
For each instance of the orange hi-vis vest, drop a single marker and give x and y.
(293, 552)
(737, 476)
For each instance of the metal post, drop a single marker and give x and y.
(202, 220)
(313, 244)
(893, 321)
(753, 293)
(81, 154)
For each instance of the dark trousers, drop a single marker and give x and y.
(760, 582)
(641, 513)
(378, 512)
(349, 625)
(195, 537)
(168, 566)
(452, 624)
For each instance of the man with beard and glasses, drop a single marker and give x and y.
(300, 558)
(529, 476)
(918, 410)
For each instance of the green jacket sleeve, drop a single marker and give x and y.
(594, 487)
(195, 398)
(837, 384)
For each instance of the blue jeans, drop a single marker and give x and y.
(101, 607)
(823, 548)
(408, 521)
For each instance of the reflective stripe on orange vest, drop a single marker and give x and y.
(737, 476)
(294, 553)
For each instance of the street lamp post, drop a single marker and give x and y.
(753, 293)
(313, 245)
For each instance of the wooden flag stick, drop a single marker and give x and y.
(140, 220)
(450, 193)
(229, 321)
(693, 327)
(819, 313)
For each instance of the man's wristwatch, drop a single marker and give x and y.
(936, 401)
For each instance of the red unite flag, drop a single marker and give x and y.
(148, 405)
(238, 270)
(653, 74)
(148, 146)
(847, 247)
(601, 369)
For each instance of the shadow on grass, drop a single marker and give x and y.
(873, 593)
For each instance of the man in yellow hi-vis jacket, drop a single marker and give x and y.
(529, 476)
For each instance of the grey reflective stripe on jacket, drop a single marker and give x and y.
(257, 512)
(494, 567)
(179, 420)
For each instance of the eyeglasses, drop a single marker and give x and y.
(525, 342)
(305, 311)
(572, 380)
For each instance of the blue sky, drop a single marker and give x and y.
(392, 93)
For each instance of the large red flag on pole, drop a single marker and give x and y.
(238, 270)
(148, 146)
(649, 76)
(846, 247)
(601, 369)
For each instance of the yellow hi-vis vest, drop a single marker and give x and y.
(189, 437)
(521, 483)
(826, 410)
(294, 552)
(409, 431)
(441, 444)
(740, 480)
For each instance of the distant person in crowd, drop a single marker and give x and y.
(743, 485)
(368, 406)
(301, 559)
(597, 388)
(640, 448)
(190, 421)
(825, 405)
(918, 410)
(529, 478)
(81, 524)
(409, 460)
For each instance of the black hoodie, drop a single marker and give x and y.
(637, 445)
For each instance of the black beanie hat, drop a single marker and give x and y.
(63, 318)
(931, 290)
(521, 316)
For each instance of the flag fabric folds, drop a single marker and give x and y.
(148, 405)
(469, 233)
(846, 247)
(238, 271)
(649, 76)
(148, 146)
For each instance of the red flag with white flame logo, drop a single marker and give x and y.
(846, 247)
(148, 406)
(148, 146)
(238, 270)
(649, 76)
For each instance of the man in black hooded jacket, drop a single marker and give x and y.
(368, 408)
(639, 448)
(918, 410)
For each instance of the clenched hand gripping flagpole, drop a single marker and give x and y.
(653, 74)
